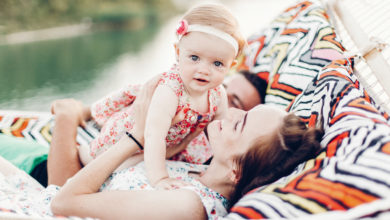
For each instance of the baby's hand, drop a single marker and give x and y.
(170, 183)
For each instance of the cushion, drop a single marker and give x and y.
(291, 51)
(353, 168)
(24, 154)
(25, 137)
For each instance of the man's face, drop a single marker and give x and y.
(241, 93)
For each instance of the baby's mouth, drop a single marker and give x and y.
(201, 80)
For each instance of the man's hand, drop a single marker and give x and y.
(141, 105)
(73, 109)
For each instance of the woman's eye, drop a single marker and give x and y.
(236, 125)
(218, 64)
(194, 58)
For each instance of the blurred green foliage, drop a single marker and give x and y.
(21, 15)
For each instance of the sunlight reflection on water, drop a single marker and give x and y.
(155, 56)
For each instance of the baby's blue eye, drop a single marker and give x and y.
(218, 64)
(194, 58)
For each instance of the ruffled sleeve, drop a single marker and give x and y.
(172, 80)
(114, 102)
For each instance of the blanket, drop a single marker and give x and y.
(25, 137)
(352, 170)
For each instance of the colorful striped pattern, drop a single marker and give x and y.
(37, 126)
(352, 171)
(292, 50)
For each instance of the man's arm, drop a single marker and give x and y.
(63, 161)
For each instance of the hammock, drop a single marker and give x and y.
(298, 196)
(364, 27)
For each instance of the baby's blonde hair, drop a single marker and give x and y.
(219, 17)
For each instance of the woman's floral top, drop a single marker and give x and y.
(134, 178)
(20, 194)
(114, 114)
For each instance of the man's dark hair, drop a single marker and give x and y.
(259, 83)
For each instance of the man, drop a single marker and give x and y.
(245, 90)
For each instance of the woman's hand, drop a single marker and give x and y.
(141, 106)
(73, 109)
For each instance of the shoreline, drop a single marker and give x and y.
(46, 34)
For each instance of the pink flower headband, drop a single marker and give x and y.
(183, 28)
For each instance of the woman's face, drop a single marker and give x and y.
(235, 134)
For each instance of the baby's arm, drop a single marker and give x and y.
(161, 111)
(223, 105)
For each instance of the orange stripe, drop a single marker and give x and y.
(367, 97)
(339, 116)
(263, 75)
(332, 146)
(293, 31)
(360, 103)
(247, 212)
(329, 193)
(338, 63)
(261, 40)
(348, 195)
(289, 105)
(18, 132)
(386, 115)
(335, 73)
(286, 88)
(331, 38)
(312, 120)
(333, 110)
(310, 194)
(302, 5)
(386, 148)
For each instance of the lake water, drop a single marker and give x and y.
(90, 66)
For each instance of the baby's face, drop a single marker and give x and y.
(204, 60)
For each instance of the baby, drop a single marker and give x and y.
(189, 94)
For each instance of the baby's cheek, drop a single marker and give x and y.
(218, 79)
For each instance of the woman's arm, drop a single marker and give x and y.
(79, 196)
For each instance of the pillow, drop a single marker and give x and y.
(292, 50)
(22, 153)
(25, 137)
(353, 169)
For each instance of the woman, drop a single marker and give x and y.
(250, 149)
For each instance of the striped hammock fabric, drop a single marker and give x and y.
(37, 126)
(350, 179)
(364, 27)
